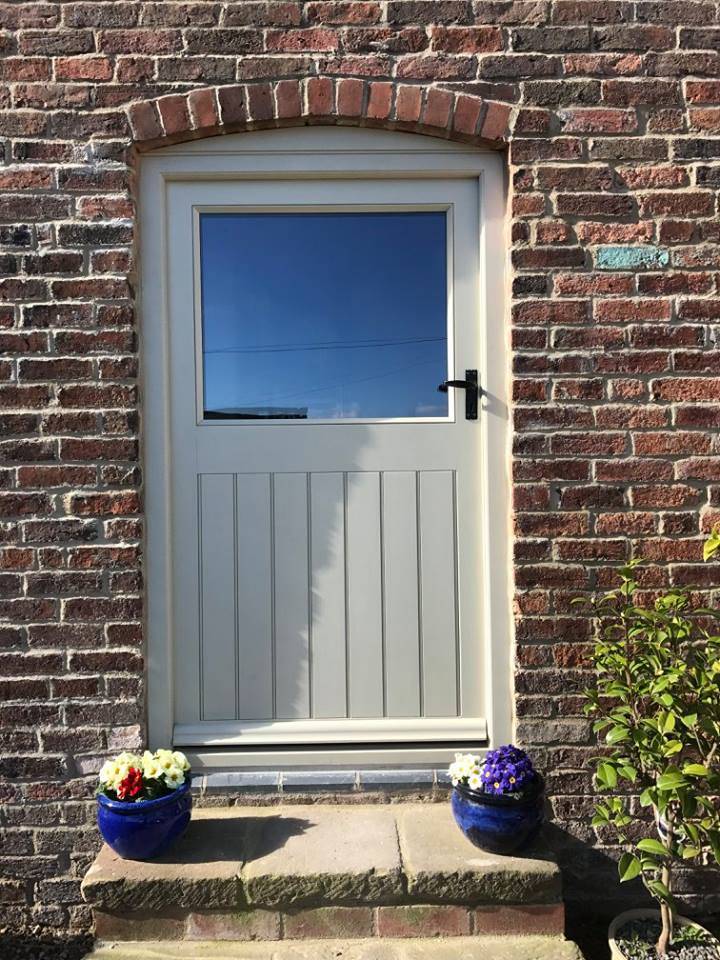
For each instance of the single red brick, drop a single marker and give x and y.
(145, 121)
(203, 108)
(379, 101)
(105, 504)
(614, 233)
(329, 922)
(467, 114)
(495, 122)
(315, 40)
(436, 66)
(350, 95)
(697, 389)
(702, 91)
(408, 104)
(438, 106)
(174, 113)
(599, 120)
(531, 121)
(466, 39)
(594, 205)
(232, 104)
(260, 102)
(529, 205)
(287, 98)
(622, 311)
(353, 12)
(319, 96)
(83, 68)
(421, 920)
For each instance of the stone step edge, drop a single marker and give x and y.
(469, 948)
(332, 922)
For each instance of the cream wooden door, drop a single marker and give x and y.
(325, 562)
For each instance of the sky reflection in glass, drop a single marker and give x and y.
(324, 315)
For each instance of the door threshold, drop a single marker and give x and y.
(336, 785)
(353, 768)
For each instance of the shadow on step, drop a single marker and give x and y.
(234, 838)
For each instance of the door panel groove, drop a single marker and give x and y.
(458, 666)
(348, 655)
(418, 542)
(308, 497)
(273, 637)
(383, 624)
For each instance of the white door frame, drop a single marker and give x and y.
(332, 152)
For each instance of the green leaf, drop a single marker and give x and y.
(671, 781)
(607, 775)
(652, 846)
(659, 890)
(617, 735)
(646, 797)
(690, 852)
(695, 770)
(629, 867)
(712, 544)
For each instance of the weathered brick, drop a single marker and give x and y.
(422, 920)
(612, 114)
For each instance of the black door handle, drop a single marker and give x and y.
(470, 386)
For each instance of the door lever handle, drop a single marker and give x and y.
(470, 386)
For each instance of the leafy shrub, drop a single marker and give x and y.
(656, 703)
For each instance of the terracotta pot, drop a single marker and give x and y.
(642, 914)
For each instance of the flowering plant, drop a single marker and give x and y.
(131, 777)
(507, 770)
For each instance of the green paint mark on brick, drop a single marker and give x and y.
(631, 258)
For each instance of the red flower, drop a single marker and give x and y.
(132, 784)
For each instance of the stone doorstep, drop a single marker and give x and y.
(458, 948)
(320, 871)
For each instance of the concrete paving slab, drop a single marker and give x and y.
(319, 854)
(441, 864)
(456, 948)
(201, 870)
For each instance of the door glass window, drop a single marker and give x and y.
(324, 315)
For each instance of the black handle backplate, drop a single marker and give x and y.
(470, 386)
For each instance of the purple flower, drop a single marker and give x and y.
(507, 770)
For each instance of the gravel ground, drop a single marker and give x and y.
(636, 939)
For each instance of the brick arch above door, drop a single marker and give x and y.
(211, 111)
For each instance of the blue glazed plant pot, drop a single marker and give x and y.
(499, 823)
(145, 829)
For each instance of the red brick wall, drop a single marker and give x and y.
(610, 111)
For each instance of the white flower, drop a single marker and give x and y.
(151, 769)
(106, 774)
(113, 773)
(165, 760)
(181, 760)
(475, 781)
(174, 777)
(128, 759)
(464, 766)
